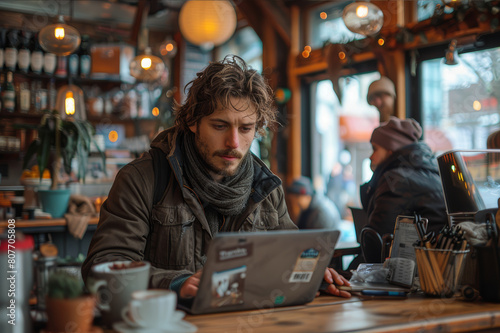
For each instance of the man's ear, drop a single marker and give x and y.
(193, 128)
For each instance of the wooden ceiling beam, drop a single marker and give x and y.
(137, 24)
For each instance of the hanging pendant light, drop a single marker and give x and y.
(70, 102)
(59, 38)
(207, 23)
(147, 67)
(363, 18)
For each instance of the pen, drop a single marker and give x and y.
(383, 293)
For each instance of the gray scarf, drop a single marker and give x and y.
(230, 196)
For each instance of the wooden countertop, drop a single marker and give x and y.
(332, 314)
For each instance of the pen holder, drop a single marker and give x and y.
(440, 270)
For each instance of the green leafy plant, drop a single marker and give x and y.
(63, 284)
(60, 139)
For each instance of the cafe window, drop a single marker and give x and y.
(246, 44)
(327, 26)
(340, 133)
(460, 103)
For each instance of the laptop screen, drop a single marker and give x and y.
(470, 180)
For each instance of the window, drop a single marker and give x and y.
(460, 102)
(331, 29)
(340, 138)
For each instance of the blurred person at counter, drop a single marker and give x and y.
(309, 209)
(213, 183)
(382, 95)
(405, 181)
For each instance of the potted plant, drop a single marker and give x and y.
(59, 140)
(69, 308)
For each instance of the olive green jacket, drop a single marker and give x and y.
(174, 234)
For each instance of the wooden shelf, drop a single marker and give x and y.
(41, 223)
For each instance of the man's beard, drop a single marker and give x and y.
(204, 151)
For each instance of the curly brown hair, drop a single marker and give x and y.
(217, 84)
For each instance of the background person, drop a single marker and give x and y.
(311, 210)
(405, 181)
(213, 183)
(382, 95)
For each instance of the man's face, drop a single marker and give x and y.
(384, 103)
(224, 137)
(378, 156)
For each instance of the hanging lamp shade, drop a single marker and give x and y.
(207, 23)
(59, 38)
(363, 18)
(147, 67)
(70, 102)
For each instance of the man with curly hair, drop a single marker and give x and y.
(215, 184)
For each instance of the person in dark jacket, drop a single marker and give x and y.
(214, 184)
(405, 181)
(311, 210)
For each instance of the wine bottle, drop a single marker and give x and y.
(2, 47)
(10, 52)
(9, 94)
(49, 63)
(73, 64)
(36, 56)
(85, 59)
(24, 55)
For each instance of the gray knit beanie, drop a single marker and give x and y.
(396, 133)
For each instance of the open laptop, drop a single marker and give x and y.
(263, 270)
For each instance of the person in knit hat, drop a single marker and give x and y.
(405, 181)
(382, 95)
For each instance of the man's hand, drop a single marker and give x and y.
(190, 287)
(335, 279)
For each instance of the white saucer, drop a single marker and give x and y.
(177, 325)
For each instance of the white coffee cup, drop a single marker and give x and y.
(151, 308)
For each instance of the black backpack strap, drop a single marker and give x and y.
(161, 170)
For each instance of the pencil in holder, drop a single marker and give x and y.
(440, 270)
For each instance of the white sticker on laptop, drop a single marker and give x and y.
(304, 267)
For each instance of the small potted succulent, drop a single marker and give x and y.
(69, 308)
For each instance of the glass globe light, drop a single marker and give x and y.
(363, 18)
(59, 38)
(147, 67)
(70, 102)
(207, 23)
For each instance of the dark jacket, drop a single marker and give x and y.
(407, 182)
(174, 234)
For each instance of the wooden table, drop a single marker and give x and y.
(332, 314)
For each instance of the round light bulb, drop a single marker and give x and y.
(60, 38)
(363, 18)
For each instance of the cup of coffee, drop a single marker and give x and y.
(114, 282)
(152, 308)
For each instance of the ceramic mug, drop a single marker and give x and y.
(113, 283)
(152, 308)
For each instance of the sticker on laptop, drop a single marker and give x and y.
(304, 267)
(234, 252)
(228, 287)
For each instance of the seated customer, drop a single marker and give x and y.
(311, 210)
(213, 183)
(405, 181)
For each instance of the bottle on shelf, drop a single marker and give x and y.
(2, 83)
(9, 94)
(24, 54)
(2, 47)
(24, 97)
(73, 64)
(52, 95)
(10, 51)
(36, 55)
(85, 59)
(62, 66)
